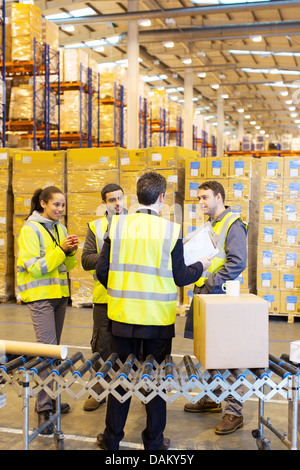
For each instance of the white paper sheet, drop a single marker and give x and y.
(199, 245)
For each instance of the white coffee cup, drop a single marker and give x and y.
(232, 288)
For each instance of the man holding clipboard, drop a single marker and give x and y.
(228, 263)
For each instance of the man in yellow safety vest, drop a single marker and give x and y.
(141, 263)
(113, 197)
(229, 263)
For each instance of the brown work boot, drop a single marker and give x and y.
(91, 404)
(201, 407)
(229, 424)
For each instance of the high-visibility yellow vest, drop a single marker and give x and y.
(141, 289)
(99, 227)
(42, 266)
(220, 228)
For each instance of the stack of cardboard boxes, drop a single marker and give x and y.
(88, 171)
(31, 171)
(278, 257)
(236, 176)
(6, 233)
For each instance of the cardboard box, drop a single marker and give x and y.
(238, 189)
(85, 181)
(291, 167)
(269, 235)
(217, 167)
(231, 332)
(195, 168)
(290, 212)
(270, 212)
(240, 208)
(289, 258)
(131, 160)
(289, 279)
(240, 167)
(271, 190)
(268, 278)
(104, 158)
(266, 257)
(290, 235)
(291, 190)
(272, 167)
(273, 299)
(290, 302)
(169, 157)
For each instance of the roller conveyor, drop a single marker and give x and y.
(168, 379)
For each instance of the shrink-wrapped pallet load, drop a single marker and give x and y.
(6, 228)
(88, 171)
(50, 34)
(26, 24)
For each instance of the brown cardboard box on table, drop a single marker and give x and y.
(231, 332)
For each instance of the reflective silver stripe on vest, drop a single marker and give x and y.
(40, 237)
(30, 262)
(142, 295)
(99, 234)
(162, 271)
(43, 282)
(224, 231)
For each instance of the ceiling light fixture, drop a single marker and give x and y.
(144, 22)
(168, 44)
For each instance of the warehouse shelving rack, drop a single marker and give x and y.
(118, 104)
(177, 130)
(44, 69)
(143, 122)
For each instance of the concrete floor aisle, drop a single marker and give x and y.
(186, 431)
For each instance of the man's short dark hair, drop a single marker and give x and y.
(215, 186)
(149, 186)
(109, 188)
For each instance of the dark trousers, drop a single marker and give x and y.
(156, 409)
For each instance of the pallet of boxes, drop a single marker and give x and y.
(6, 233)
(278, 255)
(33, 170)
(237, 175)
(88, 171)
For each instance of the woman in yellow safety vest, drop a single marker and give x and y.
(46, 255)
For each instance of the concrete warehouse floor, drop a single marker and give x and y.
(187, 431)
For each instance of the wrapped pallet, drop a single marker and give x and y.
(74, 111)
(21, 107)
(74, 60)
(6, 228)
(88, 171)
(50, 34)
(26, 24)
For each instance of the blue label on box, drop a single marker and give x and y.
(267, 254)
(217, 163)
(288, 277)
(291, 256)
(269, 297)
(192, 208)
(272, 165)
(195, 165)
(269, 208)
(268, 231)
(191, 228)
(291, 299)
(266, 276)
(289, 208)
(238, 186)
(295, 164)
(194, 185)
(294, 186)
(292, 232)
(271, 187)
(239, 164)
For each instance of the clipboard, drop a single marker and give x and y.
(201, 243)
